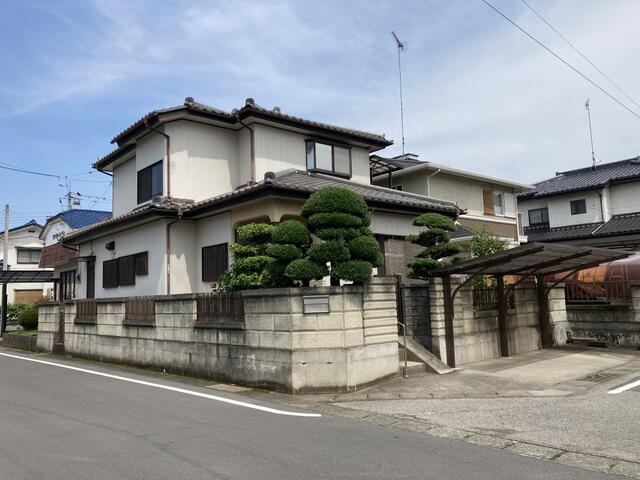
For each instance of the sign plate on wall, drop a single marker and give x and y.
(315, 304)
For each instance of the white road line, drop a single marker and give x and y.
(624, 388)
(167, 387)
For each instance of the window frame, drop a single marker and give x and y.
(543, 222)
(68, 284)
(20, 250)
(581, 202)
(502, 206)
(333, 146)
(149, 169)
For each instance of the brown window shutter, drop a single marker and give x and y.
(127, 270)
(487, 199)
(110, 273)
(215, 261)
(142, 263)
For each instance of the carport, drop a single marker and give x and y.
(19, 276)
(533, 260)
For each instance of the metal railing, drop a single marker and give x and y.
(603, 293)
(485, 297)
(214, 309)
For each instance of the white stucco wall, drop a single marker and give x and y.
(392, 224)
(624, 198)
(53, 230)
(124, 188)
(210, 231)
(149, 238)
(184, 269)
(203, 160)
(560, 209)
(25, 238)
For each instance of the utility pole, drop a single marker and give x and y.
(401, 47)
(5, 266)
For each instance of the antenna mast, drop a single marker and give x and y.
(401, 47)
(593, 155)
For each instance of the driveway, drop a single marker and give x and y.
(560, 404)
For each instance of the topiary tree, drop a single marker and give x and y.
(290, 240)
(340, 219)
(250, 258)
(436, 243)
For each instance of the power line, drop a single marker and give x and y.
(561, 59)
(7, 166)
(579, 52)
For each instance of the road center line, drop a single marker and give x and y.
(624, 388)
(167, 387)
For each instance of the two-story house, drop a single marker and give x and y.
(184, 179)
(63, 258)
(597, 206)
(24, 249)
(488, 202)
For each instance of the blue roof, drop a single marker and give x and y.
(78, 218)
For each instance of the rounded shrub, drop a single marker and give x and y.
(28, 317)
(252, 264)
(293, 232)
(357, 271)
(329, 251)
(255, 233)
(241, 251)
(338, 233)
(435, 220)
(335, 199)
(365, 248)
(442, 250)
(305, 270)
(283, 253)
(423, 267)
(426, 238)
(318, 221)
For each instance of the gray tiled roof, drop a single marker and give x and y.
(250, 108)
(545, 234)
(288, 181)
(586, 178)
(625, 223)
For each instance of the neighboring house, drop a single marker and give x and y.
(184, 179)
(488, 202)
(597, 206)
(25, 247)
(62, 258)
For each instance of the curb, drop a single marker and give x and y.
(587, 461)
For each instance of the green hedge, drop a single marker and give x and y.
(255, 233)
(329, 251)
(319, 221)
(435, 220)
(335, 199)
(28, 317)
(357, 271)
(365, 248)
(305, 270)
(283, 253)
(293, 232)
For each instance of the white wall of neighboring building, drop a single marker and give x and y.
(560, 209)
(624, 198)
(393, 224)
(27, 237)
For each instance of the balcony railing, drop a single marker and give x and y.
(603, 293)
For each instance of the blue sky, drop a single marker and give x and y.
(478, 94)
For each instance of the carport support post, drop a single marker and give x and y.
(3, 322)
(502, 316)
(448, 321)
(543, 312)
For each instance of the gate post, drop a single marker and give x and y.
(502, 317)
(448, 321)
(543, 313)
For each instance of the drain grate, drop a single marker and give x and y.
(598, 377)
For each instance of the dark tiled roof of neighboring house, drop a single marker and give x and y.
(460, 232)
(30, 223)
(296, 182)
(619, 224)
(586, 178)
(250, 109)
(546, 234)
(79, 218)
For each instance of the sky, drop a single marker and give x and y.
(478, 94)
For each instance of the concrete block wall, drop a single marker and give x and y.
(476, 334)
(278, 345)
(614, 324)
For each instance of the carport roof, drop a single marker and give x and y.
(535, 259)
(26, 276)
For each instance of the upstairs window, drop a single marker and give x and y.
(150, 182)
(327, 158)
(493, 202)
(539, 216)
(578, 206)
(28, 255)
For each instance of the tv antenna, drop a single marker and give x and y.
(401, 47)
(593, 155)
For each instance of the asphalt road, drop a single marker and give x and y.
(58, 423)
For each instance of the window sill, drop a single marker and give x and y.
(346, 176)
